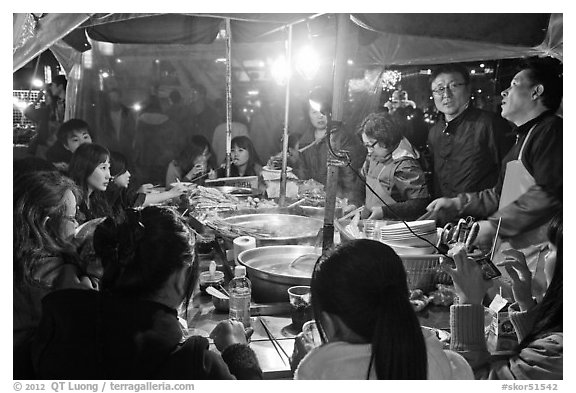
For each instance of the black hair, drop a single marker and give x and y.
(83, 162)
(39, 211)
(453, 68)
(141, 253)
(549, 313)
(60, 80)
(386, 128)
(548, 73)
(363, 282)
(194, 148)
(320, 96)
(118, 164)
(245, 142)
(68, 128)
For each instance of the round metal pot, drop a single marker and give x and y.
(271, 274)
(282, 228)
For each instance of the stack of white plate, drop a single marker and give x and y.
(405, 242)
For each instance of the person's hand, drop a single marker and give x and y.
(146, 188)
(178, 189)
(376, 213)
(486, 235)
(443, 204)
(467, 276)
(515, 265)
(301, 348)
(212, 174)
(196, 171)
(230, 332)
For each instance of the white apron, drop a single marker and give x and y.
(534, 243)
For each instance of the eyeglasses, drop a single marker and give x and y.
(370, 145)
(439, 91)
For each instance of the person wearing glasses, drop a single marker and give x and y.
(529, 190)
(467, 144)
(392, 170)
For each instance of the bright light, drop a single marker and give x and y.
(220, 60)
(307, 62)
(280, 70)
(479, 90)
(252, 92)
(19, 104)
(350, 62)
(118, 61)
(137, 107)
(473, 71)
(315, 105)
(482, 65)
(37, 83)
(105, 74)
(157, 61)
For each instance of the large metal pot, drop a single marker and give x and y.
(281, 228)
(271, 274)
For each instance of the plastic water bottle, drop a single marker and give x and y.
(240, 292)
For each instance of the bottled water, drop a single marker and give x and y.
(240, 292)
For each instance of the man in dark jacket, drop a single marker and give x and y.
(467, 144)
(529, 189)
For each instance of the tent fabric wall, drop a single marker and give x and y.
(30, 37)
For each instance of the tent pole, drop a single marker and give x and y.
(283, 175)
(228, 97)
(338, 92)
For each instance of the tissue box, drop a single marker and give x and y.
(501, 335)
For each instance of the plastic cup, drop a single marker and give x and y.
(300, 300)
(371, 229)
(311, 335)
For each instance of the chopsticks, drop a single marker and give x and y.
(495, 239)
(275, 342)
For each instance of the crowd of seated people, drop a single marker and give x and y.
(124, 313)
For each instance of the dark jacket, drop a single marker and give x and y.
(467, 152)
(313, 164)
(57, 153)
(542, 158)
(120, 199)
(96, 335)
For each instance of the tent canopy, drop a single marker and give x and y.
(385, 39)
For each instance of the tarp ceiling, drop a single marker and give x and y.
(387, 39)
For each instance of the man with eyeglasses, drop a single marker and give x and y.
(529, 189)
(467, 144)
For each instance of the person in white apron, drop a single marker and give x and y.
(392, 170)
(529, 192)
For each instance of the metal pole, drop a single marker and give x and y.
(283, 175)
(338, 92)
(228, 97)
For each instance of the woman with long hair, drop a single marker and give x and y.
(245, 160)
(368, 327)
(44, 258)
(121, 197)
(90, 169)
(130, 329)
(192, 164)
(539, 327)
